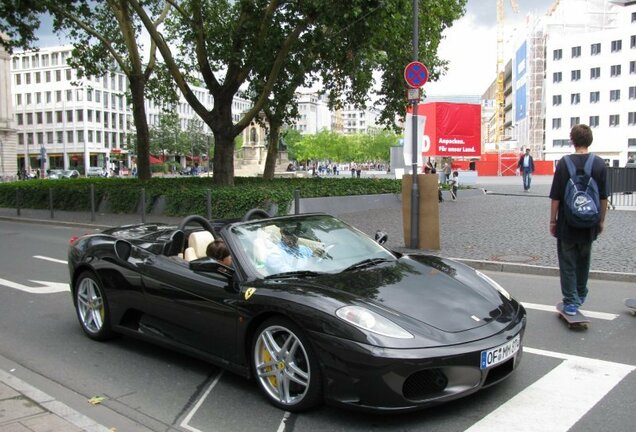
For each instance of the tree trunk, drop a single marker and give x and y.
(137, 84)
(223, 158)
(272, 150)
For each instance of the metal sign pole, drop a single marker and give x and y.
(415, 193)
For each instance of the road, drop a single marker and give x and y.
(579, 381)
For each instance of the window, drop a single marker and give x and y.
(557, 54)
(19, 119)
(38, 97)
(574, 121)
(69, 137)
(28, 98)
(18, 79)
(105, 100)
(80, 136)
(90, 136)
(632, 41)
(617, 45)
(59, 137)
(29, 118)
(561, 143)
(80, 94)
(576, 51)
(615, 95)
(69, 95)
(21, 139)
(556, 123)
(614, 120)
(18, 99)
(27, 78)
(49, 117)
(59, 116)
(58, 96)
(576, 75)
(40, 137)
(595, 49)
(593, 121)
(98, 96)
(557, 77)
(575, 98)
(632, 92)
(45, 59)
(615, 70)
(632, 67)
(69, 116)
(79, 115)
(16, 63)
(49, 137)
(98, 116)
(30, 138)
(631, 118)
(48, 97)
(54, 59)
(47, 76)
(633, 16)
(89, 95)
(39, 117)
(38, 77)
(89, 115)
(58, 75)
(68, 74)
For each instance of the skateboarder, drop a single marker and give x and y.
(574, 245)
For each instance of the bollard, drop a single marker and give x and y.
(297, 201)
(51, 202)
(209, 203)
(92, 202)
(17, 200)
(143, 205)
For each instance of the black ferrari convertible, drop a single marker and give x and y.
(310, 307)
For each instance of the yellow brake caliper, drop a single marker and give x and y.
(268, 358)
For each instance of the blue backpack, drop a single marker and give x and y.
(581, 196)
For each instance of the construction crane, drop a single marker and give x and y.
(499, 95)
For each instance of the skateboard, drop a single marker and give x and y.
(577, 321)
(631, 304)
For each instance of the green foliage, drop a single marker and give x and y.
(185, 195)
(328, 145)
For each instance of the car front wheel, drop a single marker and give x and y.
(92, 307)
(285, 366)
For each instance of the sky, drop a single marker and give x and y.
(470, 46)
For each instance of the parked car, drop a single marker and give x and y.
(348, 320)
(95, 172)
(56, 174)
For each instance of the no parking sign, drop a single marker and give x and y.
(416, 74)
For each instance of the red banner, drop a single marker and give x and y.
(452, 129)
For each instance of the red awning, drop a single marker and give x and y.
(155, 160)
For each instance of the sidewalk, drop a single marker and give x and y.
(24, 408)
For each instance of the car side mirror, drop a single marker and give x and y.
(210, 265)
(381, 237)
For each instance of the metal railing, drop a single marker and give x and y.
(621, 183)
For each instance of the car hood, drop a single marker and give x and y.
(438, 292)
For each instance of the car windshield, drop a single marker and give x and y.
(306, 245)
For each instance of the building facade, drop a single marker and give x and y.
(63, 121)
(8, 159)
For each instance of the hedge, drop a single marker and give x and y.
(185, 195)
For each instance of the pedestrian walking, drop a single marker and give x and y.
(574, 244)
(526, 167)
(454, 185)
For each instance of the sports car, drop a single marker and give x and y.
(311, 308)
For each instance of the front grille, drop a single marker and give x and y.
(424, 384)
(499, 372)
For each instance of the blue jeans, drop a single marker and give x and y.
(574, 266)
(527, 176)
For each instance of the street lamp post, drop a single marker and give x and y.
(415, 194)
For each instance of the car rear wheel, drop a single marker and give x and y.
(92, 307)
(285, 366)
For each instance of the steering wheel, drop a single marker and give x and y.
(255, 214)
(198, 219)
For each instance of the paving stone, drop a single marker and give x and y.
(49, 423)
(7, 392)
(13, 409)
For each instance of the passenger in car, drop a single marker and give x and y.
(220, 252)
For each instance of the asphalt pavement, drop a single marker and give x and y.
(494, 225)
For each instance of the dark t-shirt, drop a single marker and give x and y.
(561, 176)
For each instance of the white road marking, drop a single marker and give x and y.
(184, 424)
(283, 422)
(55, 260)
(44, 288)
(589, 314)
(589, 379)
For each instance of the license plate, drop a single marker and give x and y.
(500, 354)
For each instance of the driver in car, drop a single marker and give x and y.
(288, 255)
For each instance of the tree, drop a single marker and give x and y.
(105, 34)
(233, 44)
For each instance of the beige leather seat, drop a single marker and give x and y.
(197, 244)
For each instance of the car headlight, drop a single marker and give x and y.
(494, 284)
(371, 321)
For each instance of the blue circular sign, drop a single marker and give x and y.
(416, 74)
